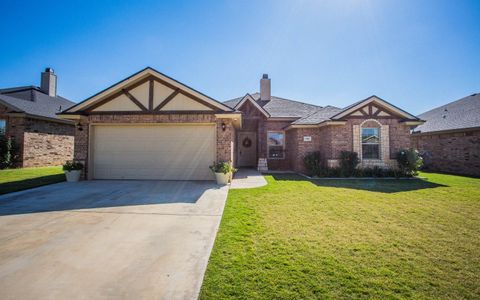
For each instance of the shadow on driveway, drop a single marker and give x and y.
(373, 185)
(101, 194)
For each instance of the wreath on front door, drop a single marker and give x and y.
(247, 142)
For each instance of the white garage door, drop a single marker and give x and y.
(165, 152)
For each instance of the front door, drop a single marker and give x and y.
(247, 149)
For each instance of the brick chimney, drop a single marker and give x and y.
(265, 90)
(48, 82)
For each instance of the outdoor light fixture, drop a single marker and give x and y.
(224, 127)
(79, 127)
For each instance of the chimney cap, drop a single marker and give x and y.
(265, 76)
(49, 70)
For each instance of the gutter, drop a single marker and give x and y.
(22, 114)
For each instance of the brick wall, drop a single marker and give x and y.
(455, 152)
(225, 139)
(41, 142)
(47, 143)
(300, 148)
(331, 140)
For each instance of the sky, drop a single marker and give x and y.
(415, 54)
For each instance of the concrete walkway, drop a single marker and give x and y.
(247, 179)
(108, 239)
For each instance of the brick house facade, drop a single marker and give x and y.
(328, 130)
(224, 138)
(244, 131)
(450, 152)
(449, 140)
(28, 115)
(40, 142)
(332, 140)
(157, 110)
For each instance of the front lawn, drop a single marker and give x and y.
(12, 180)
(300, 239)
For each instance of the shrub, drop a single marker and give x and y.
(9, 151)
(409, 162)
(72, 166)
(313, 163)
(348, 163)
(223, 167)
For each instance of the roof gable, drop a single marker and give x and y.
(373, 106)
(279, 107)
(148, 91)
(250, 99)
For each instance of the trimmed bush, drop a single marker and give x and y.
(72, 166)
(348, 163)
(222, 167)
(313, 163)
(409, 162)
(9, 152)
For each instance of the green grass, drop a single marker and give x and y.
(339, 239)
(12, 180)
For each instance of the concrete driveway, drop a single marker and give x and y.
(108, 239)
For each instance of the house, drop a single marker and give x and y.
(283, 131)
(150, 126)
(28, 115)
(450, 137)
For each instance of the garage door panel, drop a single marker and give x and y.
(153, 152)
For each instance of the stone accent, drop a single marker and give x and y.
(357, 140)
(385, 142)
(333, 163)
(384, 161)
(262, 165)
(450, 152)
(225, 139)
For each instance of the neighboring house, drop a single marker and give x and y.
(150, 126)
(450, 137)
(28, 115)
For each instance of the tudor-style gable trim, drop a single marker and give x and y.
(383, 109)
(149, 76)
(249, 98)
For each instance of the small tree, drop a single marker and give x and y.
(313, 162)
(409, 162)
(8, 152)
(348, 163)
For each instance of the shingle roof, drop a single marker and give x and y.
(460, 114)
(33, 101)
(322, 114)
(280, 107)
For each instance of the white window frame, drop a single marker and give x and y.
(379, 143)
(283, 144)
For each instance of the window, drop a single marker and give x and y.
(370, 143)
(276, 144)
(3, 127)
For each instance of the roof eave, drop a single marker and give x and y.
(317, 125)
(350, 109)
(44, 118)
(467, 129)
